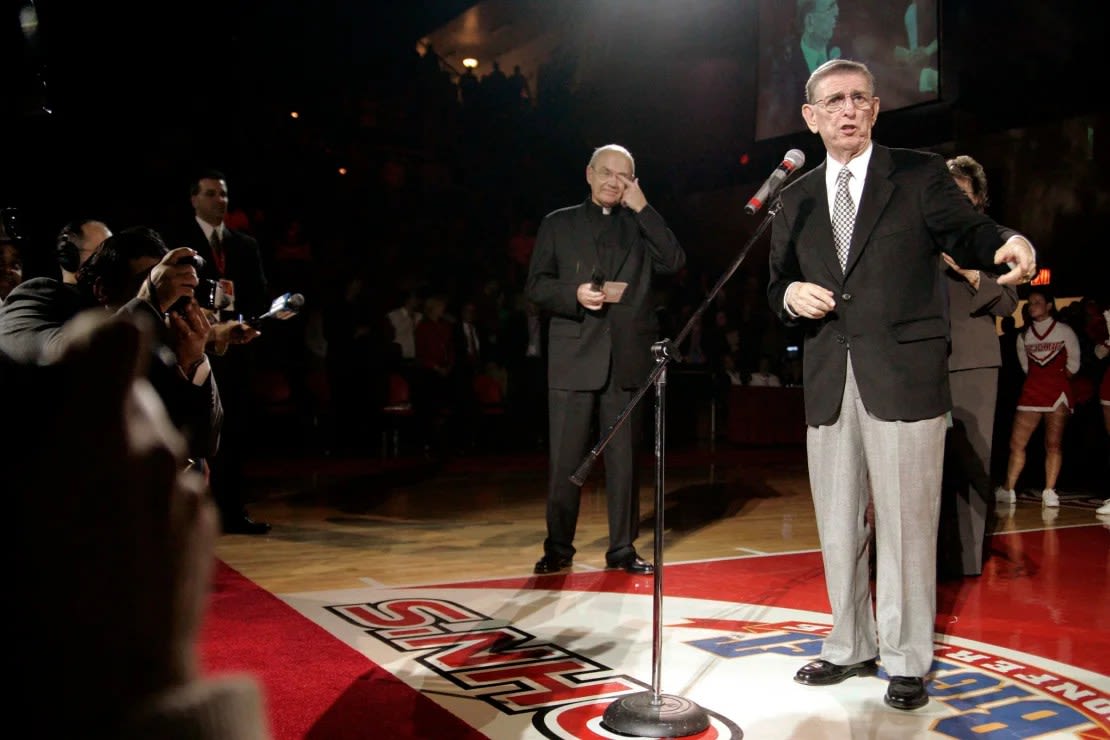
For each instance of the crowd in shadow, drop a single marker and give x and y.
(415, 332)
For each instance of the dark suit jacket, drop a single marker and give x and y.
(890, 305)
(243, 265)
(973, 332)
(31, 324)
(582, 343)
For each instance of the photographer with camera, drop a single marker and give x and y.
(132, 273)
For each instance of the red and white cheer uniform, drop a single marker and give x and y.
(1048, 351)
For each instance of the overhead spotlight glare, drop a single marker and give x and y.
(294, 114)
(342, 170)
(470, 62)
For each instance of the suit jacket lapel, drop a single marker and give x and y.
(876, 194)
(822, 219)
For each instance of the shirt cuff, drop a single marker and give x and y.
(786, 304)
(202, 371)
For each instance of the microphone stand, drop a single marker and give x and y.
(651, 713)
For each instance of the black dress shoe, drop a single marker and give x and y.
(551, 564)
(633, 564)
(244, 525)
(824, 673)
(906, 692)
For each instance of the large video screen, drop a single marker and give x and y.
(897, 40)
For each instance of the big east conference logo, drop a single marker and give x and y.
(565, 694)
(509, 669)
(991, 697)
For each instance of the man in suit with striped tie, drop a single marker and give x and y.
(853, 261)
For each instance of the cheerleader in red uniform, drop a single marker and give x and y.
(1048, 351)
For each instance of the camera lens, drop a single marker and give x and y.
(205, 294)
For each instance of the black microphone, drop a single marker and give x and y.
(770, 188)
(597, 280)
(284, 307)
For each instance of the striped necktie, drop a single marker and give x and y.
(844, 217)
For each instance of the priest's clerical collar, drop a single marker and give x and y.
(600, 209)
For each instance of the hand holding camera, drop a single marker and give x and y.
(172, 279)
(189, 329)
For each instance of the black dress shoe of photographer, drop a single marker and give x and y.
(906, 692)
(634, 565)
(244, 525)
(824, 673)
(551, 564)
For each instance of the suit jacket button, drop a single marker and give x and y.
(841, 339)
(846, 296)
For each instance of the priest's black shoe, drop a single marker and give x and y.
(551, 564)
(633, 564)
(244, 525)
(906, 692)
(824, 673)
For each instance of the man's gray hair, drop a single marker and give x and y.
(613, 148)
(834, 66)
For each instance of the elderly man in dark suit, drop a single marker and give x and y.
(599, 343)
(864, 284)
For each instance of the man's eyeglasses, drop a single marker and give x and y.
(605, 173)
(835, 103)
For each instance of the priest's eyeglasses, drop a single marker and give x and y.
(605, 173)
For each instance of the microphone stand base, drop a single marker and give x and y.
(646, 714)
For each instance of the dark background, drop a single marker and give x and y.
(144, 94)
